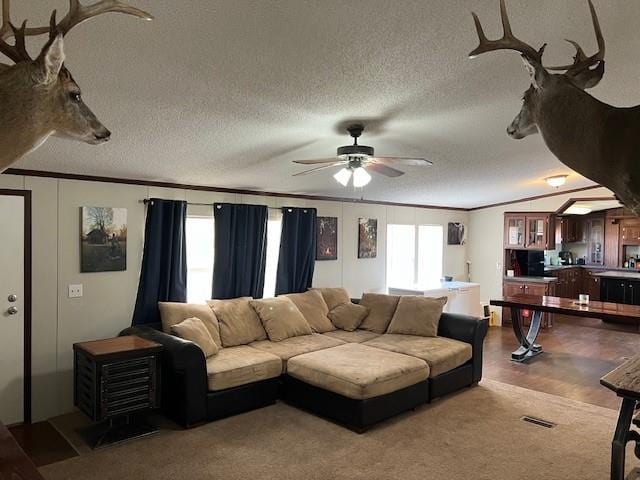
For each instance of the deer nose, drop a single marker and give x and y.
(103, 135)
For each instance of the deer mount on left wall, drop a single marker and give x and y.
(38, 97)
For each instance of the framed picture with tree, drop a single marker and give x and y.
(103, 242)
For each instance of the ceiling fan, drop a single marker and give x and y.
(357, 159)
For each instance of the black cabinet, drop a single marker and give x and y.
(618, 290)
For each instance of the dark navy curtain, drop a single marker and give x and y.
(164, 260)
(240, 254)
(297, 250)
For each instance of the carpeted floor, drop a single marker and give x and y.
(475, 434)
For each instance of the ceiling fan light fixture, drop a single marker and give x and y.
(343, 177)
(556, 181)
(360, 177)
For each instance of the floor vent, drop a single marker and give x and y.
(538, 421)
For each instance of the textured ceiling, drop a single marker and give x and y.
(227, 93)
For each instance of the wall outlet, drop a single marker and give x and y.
(75, 291)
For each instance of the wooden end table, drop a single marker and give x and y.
(625, 381)
(116, 381)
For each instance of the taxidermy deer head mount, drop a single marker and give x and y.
(596, 140)
(38, 97)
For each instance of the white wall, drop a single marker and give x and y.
(108, 298)
(485, 240)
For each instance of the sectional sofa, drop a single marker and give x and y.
(356, 362)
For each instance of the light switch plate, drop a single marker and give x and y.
(75, 291)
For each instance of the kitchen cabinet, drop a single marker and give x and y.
(531, 231)
(569, 282)
(569, 230)
(618, 290)
(594, 227)
(591, 284)
(514, 231)
(523, 287)
(612, 240)
(630, 233)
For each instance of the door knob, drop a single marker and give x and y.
(12, 310)
(12, 298)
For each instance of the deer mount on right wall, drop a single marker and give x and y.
(599, 141)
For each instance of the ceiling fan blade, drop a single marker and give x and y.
(410, 161)
(317, 160)
(384, 170)
(317, 169)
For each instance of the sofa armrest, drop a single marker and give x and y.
(184, 376)
(466, 329)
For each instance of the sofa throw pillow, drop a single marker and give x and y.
(175, 312)
(334, 296)
(348, 316)
(281, 318)
(381, 309)
(416, 315)
(239, 322)
(314, 309)
(194, 330)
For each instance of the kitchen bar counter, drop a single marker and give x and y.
(555, 268)
(628, 274)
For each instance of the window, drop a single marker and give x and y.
(200, 254)
(414, 254)
(274, 231)
(199, 232)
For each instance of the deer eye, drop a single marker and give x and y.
(75, 96)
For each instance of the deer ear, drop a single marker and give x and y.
(52, 58)
(588, 77)
(537, 72)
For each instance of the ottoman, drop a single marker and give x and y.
(355, 384)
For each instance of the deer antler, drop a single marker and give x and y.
(581, 61)
(79, 13)
(16, 52)
(508, 40)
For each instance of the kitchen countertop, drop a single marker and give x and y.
(553, 268)
(437, 285)
(531, 279)
(635, 275)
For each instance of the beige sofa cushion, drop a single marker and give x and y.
(358, 371)
(174, 312)
(334, 296)
(240, 365)
(239, 322)
(314, 309)
(294, 346)
(356, 336)
(348, 316)
(417, 315)
(194, 330)
(441, 353)
(381, 309)
(281, 318)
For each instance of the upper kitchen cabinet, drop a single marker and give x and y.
(569, 229)
(540, 232)
(514, 230)
(532, 231)
(595, 228)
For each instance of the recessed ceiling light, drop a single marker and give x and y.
(556, 181)
(577, 210)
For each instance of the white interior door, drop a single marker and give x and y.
(12, 218)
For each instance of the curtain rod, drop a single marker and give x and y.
(147, 200)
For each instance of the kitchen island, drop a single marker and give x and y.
(462, 297)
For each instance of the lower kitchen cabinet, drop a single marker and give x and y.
(619, 290)
(522, 287)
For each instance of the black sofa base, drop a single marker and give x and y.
(451, 381)
(233, 401)
(357, 415)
